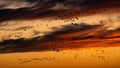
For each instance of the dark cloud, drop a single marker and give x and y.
(42, 8)
(63, 38)
(21, 45)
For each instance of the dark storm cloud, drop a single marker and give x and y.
(36, 44)
(29, 9)
(58, 39)
(62, 38)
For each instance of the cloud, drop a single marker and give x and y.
(14, 4)
(31, 9)
(81, 35)
(69, 37)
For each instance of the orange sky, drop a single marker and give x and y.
(87, 37)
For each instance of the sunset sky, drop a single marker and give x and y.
(37, 26)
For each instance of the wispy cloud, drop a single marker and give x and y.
(14, 4)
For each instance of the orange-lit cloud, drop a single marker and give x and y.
(80, 24)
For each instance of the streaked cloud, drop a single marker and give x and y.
(14, 4)
(41, 23)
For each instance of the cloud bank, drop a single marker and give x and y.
(41, 25)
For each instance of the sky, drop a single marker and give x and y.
(37, 22)
(59, 33)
